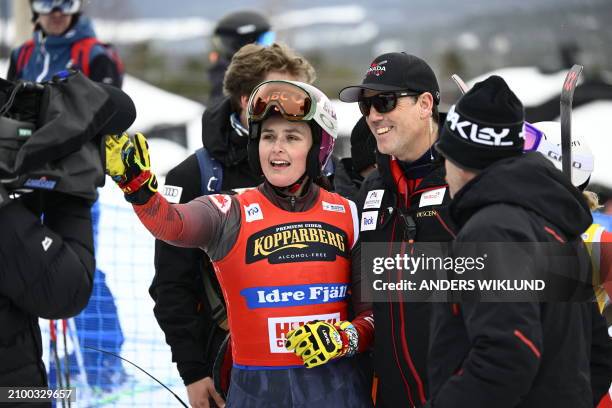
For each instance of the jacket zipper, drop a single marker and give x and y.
(409, 235)
(393, 335)
(46, 62)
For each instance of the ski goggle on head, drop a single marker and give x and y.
(48, 6)
(291, 101)
(266, 39)
(533, 137)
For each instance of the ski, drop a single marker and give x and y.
(460, 83)
(567, 96)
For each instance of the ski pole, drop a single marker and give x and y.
(144, 371)
(66, 356)
(58, 368)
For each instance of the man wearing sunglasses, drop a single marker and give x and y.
(63, 38)
(403, 201)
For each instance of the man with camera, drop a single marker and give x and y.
(46, 270)
(50, 168)
(64, 37)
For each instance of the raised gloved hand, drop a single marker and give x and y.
(128, 164)
(318, 342)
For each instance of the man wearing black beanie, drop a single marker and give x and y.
(511, 354)
(404, 200)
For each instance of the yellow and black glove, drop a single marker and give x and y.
(318, 342)
(128, 164)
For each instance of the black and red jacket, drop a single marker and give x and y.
(402, 328)
(521, 354)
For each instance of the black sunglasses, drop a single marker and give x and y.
(383, 102)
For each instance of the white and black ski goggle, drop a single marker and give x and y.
(48, 6)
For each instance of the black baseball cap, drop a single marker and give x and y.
(395, 71)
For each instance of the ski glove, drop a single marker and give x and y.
(318, 342)
(128, 164)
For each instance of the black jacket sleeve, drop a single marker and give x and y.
(46, 269)
(503, 361)
(506, 338)
(601, 356)
(178, 295)
(104, 69)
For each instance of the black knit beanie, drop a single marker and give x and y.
(484, 126)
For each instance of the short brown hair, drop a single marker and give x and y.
(253, 62)
(435, 114)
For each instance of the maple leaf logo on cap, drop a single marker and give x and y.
(377, 68)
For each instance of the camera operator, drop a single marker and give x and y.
(46, 270)
(50, 168)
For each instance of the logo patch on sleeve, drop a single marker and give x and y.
(46, 243)
(222, 201)
(373, 199)
(432, 197)
(369, 220)
(333, 207)
(253, 212)
(172, 193)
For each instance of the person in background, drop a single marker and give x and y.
(545, 138)
(231, 33)
(350, 172)
(63, 38)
